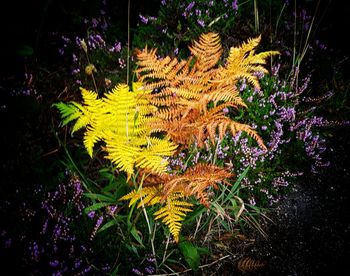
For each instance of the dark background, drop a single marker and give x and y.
(314, 241)
(31, 22)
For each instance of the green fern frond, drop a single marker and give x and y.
(69, 112)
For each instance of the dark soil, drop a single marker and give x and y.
(311, 230)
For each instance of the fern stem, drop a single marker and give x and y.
(93, 80)
(149, 227)
(128, 54)
(166, 249)
(151, 233)
(197, 226)
(75, 167)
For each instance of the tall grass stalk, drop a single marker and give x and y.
(256, 17)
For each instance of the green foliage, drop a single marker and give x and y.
(120, 121)
(171, 213)
(191, 254)
(179, 22)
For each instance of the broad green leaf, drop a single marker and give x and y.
(190, 253)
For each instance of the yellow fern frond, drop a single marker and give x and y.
(148, 196)
(173, 213)
(121, 119)
(242, 62)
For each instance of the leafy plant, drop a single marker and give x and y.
(192, 95)
(125, 120)
(120, 120)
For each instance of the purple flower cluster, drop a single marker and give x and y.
(55, 246)
(79, 52)
(147, 19)
(147, 266)
(282, 117)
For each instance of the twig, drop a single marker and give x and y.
(201, 266)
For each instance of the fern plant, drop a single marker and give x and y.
(192, 94)
(185, 100)
(120, 120)
(172, 192)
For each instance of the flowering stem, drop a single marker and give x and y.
(216, 151)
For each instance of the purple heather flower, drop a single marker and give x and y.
(149, 270)
(111, 209)
(251, 201)
(117, 47)
(243, 86)
(235, 5)
(201, 22)
(91, 214)
(190, 6)
(54, 263)
(75, 71)
(94, 22)
(143, 19)
(74, 58)
(8, 243)
(97, 225)
(34, 251)
(136, 271)
(77, 263)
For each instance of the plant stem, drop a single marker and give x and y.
(128, 54)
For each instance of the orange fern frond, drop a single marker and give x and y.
(190, 95)
(196, 181)
(207, 51)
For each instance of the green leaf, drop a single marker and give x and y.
(190, 253)
(96, 206)
(239, 179)
(100, 197)
(107, 225)
(136, 235)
